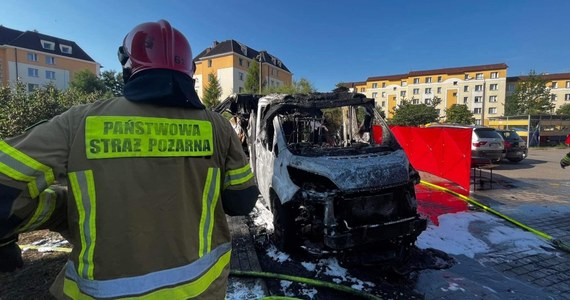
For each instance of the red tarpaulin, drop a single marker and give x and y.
(444, 152)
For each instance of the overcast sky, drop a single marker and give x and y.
(327, 42)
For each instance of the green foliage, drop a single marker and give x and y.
(251, 84)
(459, 114)
(113, 83)
(87, 82)
(339, 87)
(213, 92)
(20, 109)
(409, 114)
(303, 86)
(531, 96)
(564, 110)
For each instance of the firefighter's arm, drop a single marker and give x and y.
(565, 161)
(239, 192)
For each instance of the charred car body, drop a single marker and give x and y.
(331, 172)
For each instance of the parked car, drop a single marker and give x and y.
(515, 146)
(331, 172)
(486, 142)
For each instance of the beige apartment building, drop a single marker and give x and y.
(229, 61)
(481, 88)
(37, 59)
(558, 84)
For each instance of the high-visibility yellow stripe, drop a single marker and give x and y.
(243, 169)
(185, 291)
(204, 214)
(85, 200)
(37, 175)
(238, 176)
(46, 206)
(213, 210)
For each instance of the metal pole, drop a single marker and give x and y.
(260, 71)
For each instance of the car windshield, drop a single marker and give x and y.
(510, 135)
(487, 134)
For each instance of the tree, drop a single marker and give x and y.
(87, 82)
(303, 86)
(409, 114)
(531, 96)
(213, 92)
(113, 82)
(459, 114)
(340, 87)
(251, 84)
(564, 110)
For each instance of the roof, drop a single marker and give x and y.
(557, 76)
(455, 70)
(32, 40)
(233, 46)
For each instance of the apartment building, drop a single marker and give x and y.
(481, 88)
(230, 60)
(558, 84)
(37, 59)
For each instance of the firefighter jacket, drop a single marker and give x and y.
(138, 187)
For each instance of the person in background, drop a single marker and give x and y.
(146, 181)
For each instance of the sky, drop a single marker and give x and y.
(326, 42)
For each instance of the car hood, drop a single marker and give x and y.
(358, 172)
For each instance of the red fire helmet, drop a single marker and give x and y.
(156, 45)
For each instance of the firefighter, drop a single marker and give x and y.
(142, 183)
(565, 161)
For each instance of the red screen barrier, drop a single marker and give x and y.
(444, 152)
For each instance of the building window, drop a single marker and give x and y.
(32, 87)
(439, 79)
(567, 97)
(478, 99)
(404, 83)
(416, 80)
(416, 91)
(467, 77)
(427, 101)
(383, 84)
(568, 84)
(510, 87)
(50, 74)
(33, 72)
(478, 88)
(428, 90)
(492, 110)
(383, 103)
(439, 90)
(553, 97)
(383, 94)
(209, 63)
(32, 56)
(494, 75)
(48, 45)
(362, 90)
(455, 94)
(477, 122)
(428, 80)
(241, 61)
(374, 95)
(455, 83)
(465, 99)
(477, 110)
(494, 87)
(50, 60)
(492, 98)
(65, 49)
(479, 76)
(466, 89)
(375, 85)
(554, 85)
(402, 93)
(241, 76)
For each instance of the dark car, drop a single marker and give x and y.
(515, 146)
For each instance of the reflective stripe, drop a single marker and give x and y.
(19, 166)
(131, 136)
(83, 187)
(209, 200)
(177, 283)
(238, 176)
(46, 206)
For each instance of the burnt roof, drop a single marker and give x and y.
(233, 46)
(456, 70)
(32, 40)
(556, 76)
